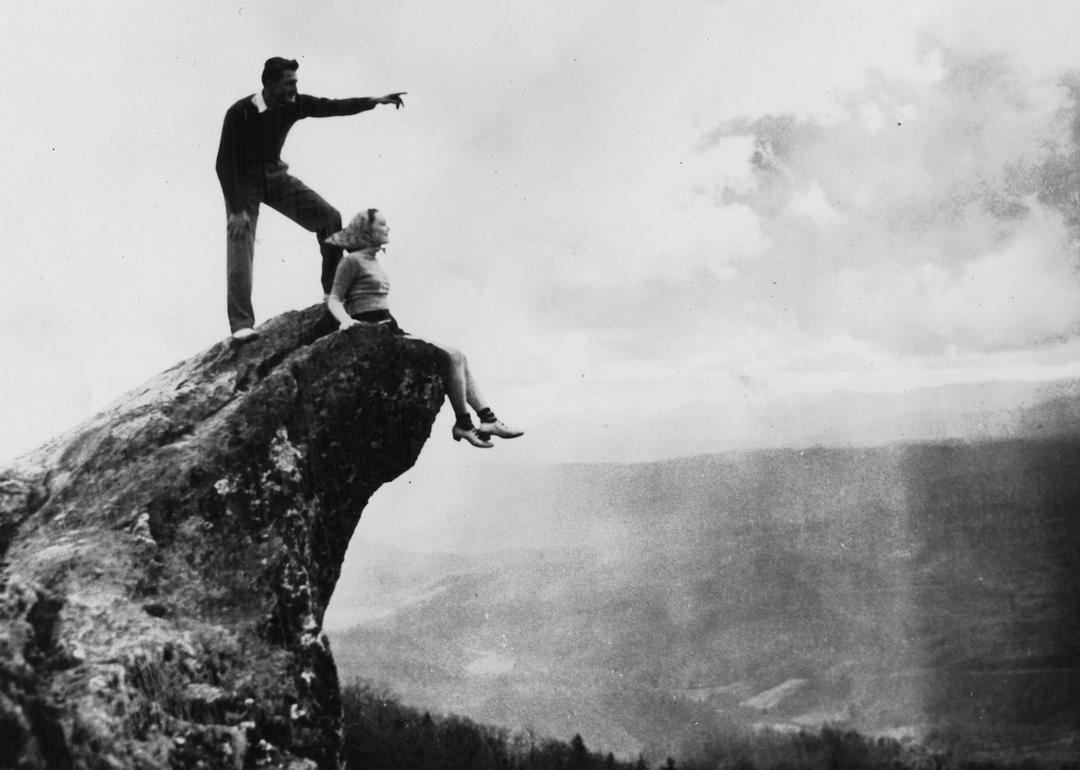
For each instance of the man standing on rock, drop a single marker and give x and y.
(251, 172)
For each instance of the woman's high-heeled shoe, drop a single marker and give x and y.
(472, 436)
(498, 428)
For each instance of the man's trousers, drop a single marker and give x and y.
(301, 204)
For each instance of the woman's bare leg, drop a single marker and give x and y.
(457, 388)
(472, 390)
(463, 390)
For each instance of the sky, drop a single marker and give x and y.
(611, 207)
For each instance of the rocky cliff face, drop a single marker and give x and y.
(166, 566)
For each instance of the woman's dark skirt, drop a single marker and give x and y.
(381, 318)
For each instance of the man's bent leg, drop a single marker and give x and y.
(239, 258)
(331, 255)
(308, 209)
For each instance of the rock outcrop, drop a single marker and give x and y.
(166, 566)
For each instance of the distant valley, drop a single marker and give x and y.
(920, 590)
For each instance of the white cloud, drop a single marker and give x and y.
(1024, 292)
(812, 204)
(917, 228)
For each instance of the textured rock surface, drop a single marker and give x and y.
(166, 566)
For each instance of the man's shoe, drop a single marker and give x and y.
(470, 435)
(498, 428)
(243, 335)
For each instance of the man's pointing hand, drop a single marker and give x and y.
(394, 99)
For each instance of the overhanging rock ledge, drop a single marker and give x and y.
(165, 567)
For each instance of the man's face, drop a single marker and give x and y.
(283, 90)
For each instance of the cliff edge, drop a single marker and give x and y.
(165, 567)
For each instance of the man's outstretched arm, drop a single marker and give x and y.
(317, 107)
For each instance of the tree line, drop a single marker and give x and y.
(383, 734)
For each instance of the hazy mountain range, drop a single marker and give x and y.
(995, 409)
(925, 588)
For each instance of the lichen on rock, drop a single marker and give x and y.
(166, 566)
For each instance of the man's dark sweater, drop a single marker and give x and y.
(251, 140)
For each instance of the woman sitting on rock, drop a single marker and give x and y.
(359, 296)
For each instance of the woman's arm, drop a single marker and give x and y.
(335, 303)
(337, 310)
